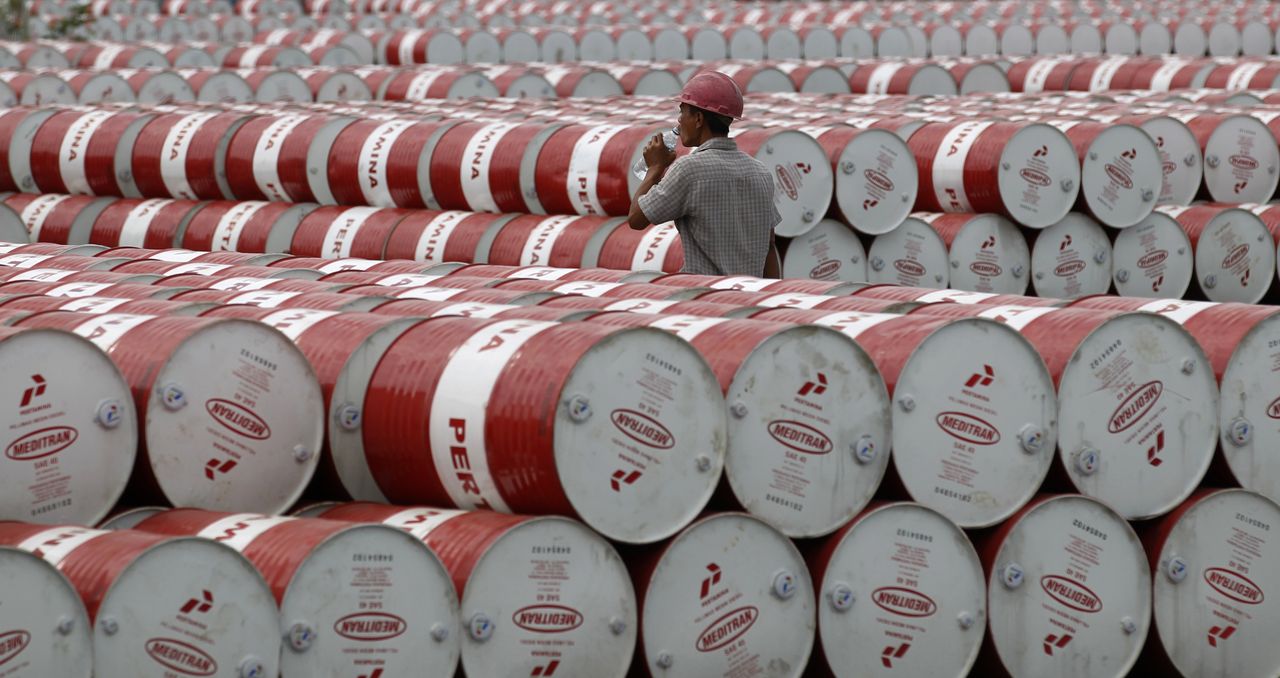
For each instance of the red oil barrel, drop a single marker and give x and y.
(1072, 258)
(728, 591)
(901, 583)
(230, 411)
(389, 604)
(516, 618)
(1068, 591)
(70, 439)
(44, 629)
(1213, 566)
(1153, 259)
(465, 424)
(913, 255)
(162, 605)
(807, 453)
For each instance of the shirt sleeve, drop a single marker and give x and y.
(668, 200)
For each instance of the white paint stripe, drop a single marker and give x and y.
(266, 156)
(173, 154)
(476, 160)
(540, 273)
(1177, 310)
(55, 544)
(1038, 74)
(75, 147)
(176, 256)
(107, 55)
(294, 321)
(948, 165)
(643, 306)
(1103, 74)
(743, 284)
(687, 327)
(584, 168)
(590, 289)
(1163, 78)
(420, 522)
(374, 159)
(431, 293)
(542, 239)
(239, 530)
(852, 324)
(652, 250)
(242, 283)
(105, 330)
(458, 411)
(264, 298)
(339, 265)
(1242, 74)
(77, 290)
(343, 231)
(407, 280)
(93, 304)
(956, 296)
(133, 233)
(1016, 317)
(37, 211)
(794, 301)
(472, 310)
(435, 236)
(198, 269)
(421, 84)
(24, 260)
(226, 235)
(880, 78)
(43, 275)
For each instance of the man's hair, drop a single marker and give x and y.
(718, 124)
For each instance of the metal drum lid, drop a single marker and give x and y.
(1121, 176)
(809, 427)
(876, 186)
(829, 251)
(44, 630)
(71, 435)
(1216, 579)
(548, 592)
(180, 606)
(658, 415)
(234, 420)
(1153, 259)
(373, 598)
(903, 584)
(730, 596)
(1241, 161)
(973, 437)
(128, 518)
(1068, 591)
(1250, 432)
(913, 255)
(801, 174)
(1234, 257)
(1182, 161)
(1137, 408)
(1042, 180)
(988, 254)
(1072, 259)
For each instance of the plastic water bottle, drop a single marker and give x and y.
(669, 138)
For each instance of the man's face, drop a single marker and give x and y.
(688, 123)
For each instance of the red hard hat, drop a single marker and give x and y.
(713, 91)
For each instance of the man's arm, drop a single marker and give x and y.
(657, 158)
(773, 262)
(636, 218)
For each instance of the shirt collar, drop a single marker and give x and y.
(718, 144)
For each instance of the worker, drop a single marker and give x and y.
(720, 198)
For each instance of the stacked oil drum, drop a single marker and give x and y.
(332, 353)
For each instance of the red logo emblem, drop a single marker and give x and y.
(643, 429)
(1069, 268)
(1233, 585)
(727, 629)
(238, 419)
(43, 443)
(1119, 176)
(825, 270)
(1236, 255)
(903, 602)
(1153, 258)
(1243, 162)
(1073, 594)
(1035, 177)
(968, 428)
(800, 437)
(985, 268)
(368, 627)
(1135, 407)
(184, 658)
(908, 267)
(879, 179)
(12, 644)
(547, 618)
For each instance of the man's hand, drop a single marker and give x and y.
(657, 155)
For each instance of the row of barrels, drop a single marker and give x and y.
(215, 593)
(1018, 352)
(1026, 395)
(788, 31)
(1216, 252)
(1030, 159)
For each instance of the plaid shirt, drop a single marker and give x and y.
(721, 201)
